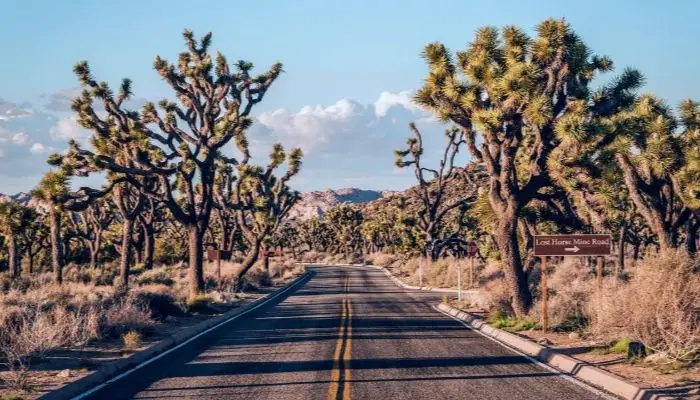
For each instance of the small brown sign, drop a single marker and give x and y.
(218, 255)
(573, 245)
(471, 249)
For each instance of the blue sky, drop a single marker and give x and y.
(339, 58)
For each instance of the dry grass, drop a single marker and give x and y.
(660, 306)
(132, 340)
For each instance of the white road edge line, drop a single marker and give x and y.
(143, 364)
(601, 394)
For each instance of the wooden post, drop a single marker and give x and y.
(471, 272)
(218, 270)
(599, 274)
(459, 282)
(545, 309)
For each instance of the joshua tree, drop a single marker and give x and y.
(261, 200)
(129, 201)
(431, 189)
(14, 219)
(151, 221)
(53, 192)
(518, 94)
(214, 107)
(345, 223)
(90, 225)
(35, 238)
(650, 154)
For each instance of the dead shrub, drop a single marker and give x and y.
(660, 306)
(383, 260)
(570, 287)
(127, 316)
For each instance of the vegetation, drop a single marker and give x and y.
(551, 153)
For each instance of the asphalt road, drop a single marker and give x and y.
(347, 333)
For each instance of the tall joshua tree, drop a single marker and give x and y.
(260, 200)
(431, 189)
(515, 93)
(214, 106)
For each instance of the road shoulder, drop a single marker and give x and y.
(115, 370)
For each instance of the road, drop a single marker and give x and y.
(347, 333)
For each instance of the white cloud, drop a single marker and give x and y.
(68, 128)
(347, 143)
(37, 148)
(388, 99)
(20, 138)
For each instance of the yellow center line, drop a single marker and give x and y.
(340, 374)
(348, 353)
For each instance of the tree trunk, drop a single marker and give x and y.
(691, 239)
(13, 263)
(516, 280)
(149, 241)
(56, 245)
(250, 259)
(196, 263)
(30, 262)
(266, 260)
(127, 230)
(94, 250)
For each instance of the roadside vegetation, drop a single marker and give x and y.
(79, 265)
(552, 152)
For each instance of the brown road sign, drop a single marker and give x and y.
(573, 245)
(471, 249)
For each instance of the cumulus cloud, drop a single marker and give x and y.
(20, 138)
(37, 148)
(387, 100)
(9, 111)
(347, 142)
(68, 128)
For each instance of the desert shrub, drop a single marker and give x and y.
(311, 256)
(132, 340)
(161, 276)
(157, 300)
(256, 277)
(127, 316)
(570, 285)
(620, 346)
(8, 283)
(199, 305)
(382, 259)
(658, 307)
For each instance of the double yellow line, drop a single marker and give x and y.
(341, 373)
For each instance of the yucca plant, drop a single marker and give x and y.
(522, 97)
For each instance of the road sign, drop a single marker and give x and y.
(573, 245)
(471, 249)
(213, 254)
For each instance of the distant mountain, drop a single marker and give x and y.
(316, 203)
(21, 197)
(312, 204)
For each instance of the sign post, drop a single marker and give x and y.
(471, 252)
(459, 282)
(218, 255)
(570, 245)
